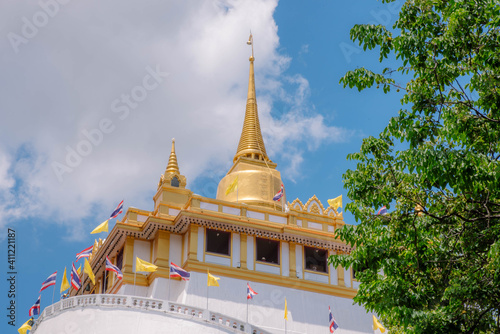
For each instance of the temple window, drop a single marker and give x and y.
(218, 242)
(119, 259)
(357, 269)
(174, 182)
(268, 250)
(316, 259)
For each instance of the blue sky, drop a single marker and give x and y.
(68, 76)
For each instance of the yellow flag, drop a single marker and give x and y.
(141, 265)
(212, 280)
(65, 283)
(88, 269)
(286, 311)
(233, 186)
(101, 228)
(336, 202)
(377, 325)
(79, 270)
(25, 327)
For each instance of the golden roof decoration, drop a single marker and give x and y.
(95, 248)
(314, 205)
(330, 211)
(296, 205)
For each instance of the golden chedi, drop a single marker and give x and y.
(255, 177)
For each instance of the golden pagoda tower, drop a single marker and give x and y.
(241, 237)
(172, 176)
(257, 178)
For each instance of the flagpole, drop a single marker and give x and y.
(169, 282)
(135, 275)
(104, 281)
(247, 310)
(53, 292)
(284, 201)
(207, 296)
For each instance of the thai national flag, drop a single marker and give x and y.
(250, 292)
(35, 309)
(118, 210)
(84, 253)
(279, 194)
(112, 267)
(75, 280)
(333, 323)
(51, 280)
(176, 271)
(382, 211)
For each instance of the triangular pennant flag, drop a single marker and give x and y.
(112, 267)
(103, 227)
(212, 280)
(250, 292)
(25, 327)
(88, 269)
(233, 186)
(64, 284)
(335, 202)
(141, 265)
(286, 311)
(377, 325)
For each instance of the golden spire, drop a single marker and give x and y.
(255, 175)
(251, 143)
(172, 166)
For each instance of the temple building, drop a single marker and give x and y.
(243, 237)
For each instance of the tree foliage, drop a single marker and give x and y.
(431, 265)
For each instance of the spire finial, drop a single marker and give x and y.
(250, 42)
(251, 143)
(172, 166)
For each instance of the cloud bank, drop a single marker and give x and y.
(94, 91)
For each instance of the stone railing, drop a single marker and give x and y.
(151, 305)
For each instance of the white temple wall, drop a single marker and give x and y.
(142, 250)
(201, 244)
(250, 252)
(175, 244)
(235, 252)
(334, 279)
(285, 259)
(184, 247)
(104, 321)
(298, 260)
(308, 311)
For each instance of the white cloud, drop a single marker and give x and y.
(65, 82)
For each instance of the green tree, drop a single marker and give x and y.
(431, 265)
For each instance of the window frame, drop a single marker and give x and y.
(208, 231)
(311, 268)
(278, 248)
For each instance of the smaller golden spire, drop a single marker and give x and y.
(172, 166)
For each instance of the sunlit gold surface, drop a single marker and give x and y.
(172, 166)
(251, 142)
(257, 183)
(172, 171)
(258, 179)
